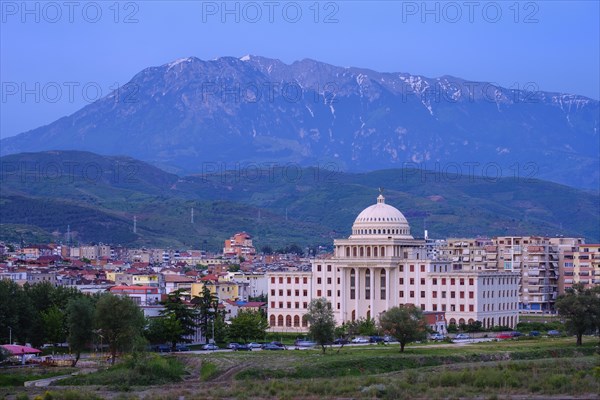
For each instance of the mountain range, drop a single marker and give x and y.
(194, 116)
(43, 195)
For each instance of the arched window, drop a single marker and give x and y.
(296, 320)
(375, 251)
(354, 252)
(288, 320)
(368, 251)
(382, 283)
(353, 315)
(382, 251)
(280, 320)
(362, 251)
(368, 284)
(461, 321)
(272, 320)
(347, 251)
(471, 320)
(368, 315)
(452, 321)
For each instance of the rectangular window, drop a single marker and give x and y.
(272, 292)
(329, 268)
(434, 307)
(471, 281)
(471, 295)
(281, 279)
(434, 294)
(401, 294)
(289, 304)
(305, 293)
(462, 295)
(319, 268)
(305, 305)
(443, 307)
(329, 293)
(412, 268)
(401, 268)
(402, 281)
(412, 294)
(422, 268)
(305, 280)
(471, 307)
(443, 281)
(462, 282)
(435, 281)
(453, 281)
(412, 281)
(297, 280)
(443, 294)
(296, 305)
(272, 304)
(422, 281)
(273, 279)
(281, 292)
(452, 294)
(462, 307)
(296, 293)
(318, 281)
(329, 281)
(281, 304)
(422, 294)
(319, 293)
(289, 280)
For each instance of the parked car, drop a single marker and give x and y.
(210, 346)
(341, 341)
(389, 339)
(242, 347)
(271, 346)
(360, 340)
(279, 344)
(516, 334)
(462, 336)
(504, 336)
(376, 339)
(304, 343)
(254, 345)
(553, 332)
(534, 333)
(182, 347)
(163, 348)
(437, 336)
(232, 346)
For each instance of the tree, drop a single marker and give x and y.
(182, 319)
(16, 312)
(120, 320)
(80, 323)
(248, 325)
(54, 325)
(234, 268)
(207, 305)
(405, 323)
(581, 308)
(266, 250)
(321, 320)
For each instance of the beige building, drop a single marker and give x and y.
(381, 266)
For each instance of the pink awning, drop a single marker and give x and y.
(16, 349)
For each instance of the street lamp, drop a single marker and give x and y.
(10, 335)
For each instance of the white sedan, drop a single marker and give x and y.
(360, 340)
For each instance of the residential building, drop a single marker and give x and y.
(239, 245)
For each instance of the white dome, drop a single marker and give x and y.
(382, 220)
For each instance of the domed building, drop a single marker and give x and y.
(381, 265)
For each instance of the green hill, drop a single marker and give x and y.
(99, 196)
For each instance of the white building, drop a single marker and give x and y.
(381, 266)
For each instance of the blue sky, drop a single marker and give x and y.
(56, 57)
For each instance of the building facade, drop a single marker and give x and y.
(381, 266)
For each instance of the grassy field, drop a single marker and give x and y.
(16, 377)
(537, 368)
